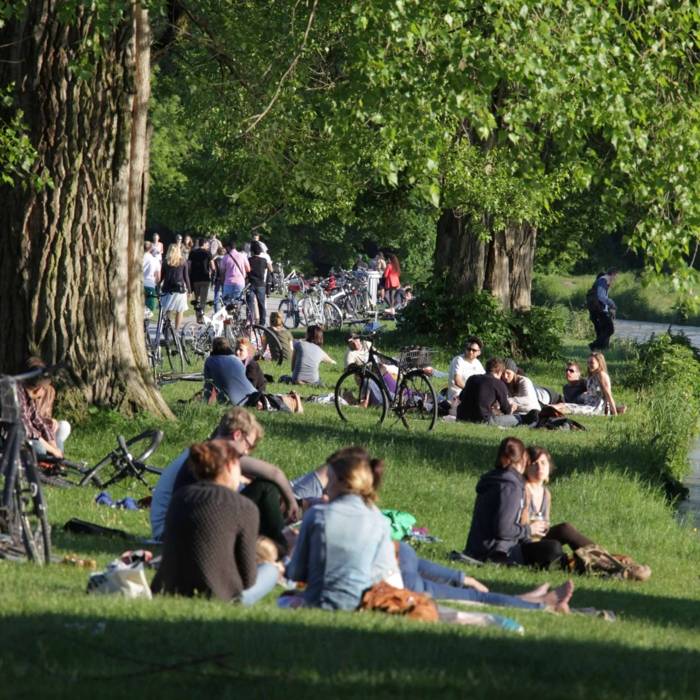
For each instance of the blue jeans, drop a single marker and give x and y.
(232, 290)
(265, 581)
(217, 296)
(424, 576)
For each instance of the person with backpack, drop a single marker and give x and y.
(602, 309)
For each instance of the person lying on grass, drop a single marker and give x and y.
(415, 574)
(538, 504)
(440, 582)
(211, 531)
(266, 483)
(497, 533)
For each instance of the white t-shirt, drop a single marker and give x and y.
(463, 368)
(151, 269)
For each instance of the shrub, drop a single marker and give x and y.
(667, 377)
(438, 315)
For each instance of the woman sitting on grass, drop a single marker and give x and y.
(307, 356)
(497, 533)
(539, 503)
(209, 543)
(283, 335)
(597, 399)
(344, 547)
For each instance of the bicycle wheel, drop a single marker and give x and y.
(360, 396)
(290, 317)
(31, 514)
(416, 401)
(172, 350)
(266, 343)
(332, 316)
(185, 343)
(114, 466)
(350, 306)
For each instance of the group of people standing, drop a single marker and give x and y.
(189, 267)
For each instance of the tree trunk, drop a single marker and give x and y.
(477, 257)
(70, 255)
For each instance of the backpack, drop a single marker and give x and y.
(593, 559)
(592, 301)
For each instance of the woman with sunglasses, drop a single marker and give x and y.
(597, 398)
(464, 366)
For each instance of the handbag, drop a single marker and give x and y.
(398, 601)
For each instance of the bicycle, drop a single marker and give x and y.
(291, 285)
(364, 390)
(116, 466)
(23, 511)
(316, 310)
(164, 346)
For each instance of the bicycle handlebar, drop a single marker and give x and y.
(39, 372)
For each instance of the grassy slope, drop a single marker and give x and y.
(56, 637)
(635, 300)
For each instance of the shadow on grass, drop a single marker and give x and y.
(81, 655)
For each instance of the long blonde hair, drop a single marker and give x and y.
(351, 467)
(174, 257)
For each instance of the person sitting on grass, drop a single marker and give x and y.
(484, 398)
(497, 533)
(209, 542)
(245, 352)
(597, 399)
(266, 483)
(283, 335)
(344, 546)
(521, 391)
(226, 373)
(307, 356)
(538, 501)
(575, 386)
(36, 399)
(464, 366)
(442, 583)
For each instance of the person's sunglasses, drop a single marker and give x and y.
(474, 349)
(569, 370)
(249, 442)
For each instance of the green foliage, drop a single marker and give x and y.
(438, 315)
(667, 376)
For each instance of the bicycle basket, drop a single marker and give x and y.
(415, 356)
(9, 402)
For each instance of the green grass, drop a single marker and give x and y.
(637, 298)
(59, 641)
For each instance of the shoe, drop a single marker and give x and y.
(104, 499)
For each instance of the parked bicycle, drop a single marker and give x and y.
(369, 389)
(316, 310)
(166, 354)
(23, 513)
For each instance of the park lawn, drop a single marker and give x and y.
(60, 641)
(637, 297)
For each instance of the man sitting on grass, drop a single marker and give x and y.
(266, 483)
(484, 398)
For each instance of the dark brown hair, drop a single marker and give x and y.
(314, 334)
(208, 459)
(495, 365)
(534, 452)
(510, 452)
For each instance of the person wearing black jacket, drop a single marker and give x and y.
(497, 533)
(482, 393)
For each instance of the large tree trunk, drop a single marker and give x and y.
(477, 258)
(70, 255)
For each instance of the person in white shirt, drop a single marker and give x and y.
(464, 366)
(151, 276)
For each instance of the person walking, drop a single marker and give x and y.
(234, 267)
(175, 283)
(200, 268)
(602, 309)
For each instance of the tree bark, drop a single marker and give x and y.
(476, 257)
(70, 255)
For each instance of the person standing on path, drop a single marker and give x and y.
(234, 267)
(151, 276)
(259, 266)
(602, 310)
(200, 268)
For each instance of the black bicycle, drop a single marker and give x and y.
(23, 514)
(369, 389)
(127, 461)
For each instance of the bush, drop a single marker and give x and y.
(667, 377)
(437, 315)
